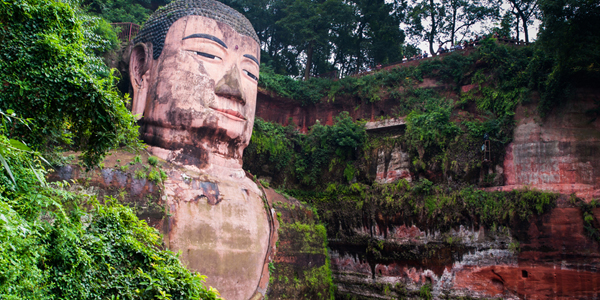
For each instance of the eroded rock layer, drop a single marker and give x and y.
(556, 259)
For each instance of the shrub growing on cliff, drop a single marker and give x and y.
(305, 158)
(440, 207)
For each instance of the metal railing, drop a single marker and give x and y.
(127, 30)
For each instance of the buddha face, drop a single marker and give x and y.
(200, 94)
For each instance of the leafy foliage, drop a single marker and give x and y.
(49, 72)
(115, 11)
(568, 51)
(325, 35)
(300, 232)
(62, 245)
(367, 88)
(435, 206)
(305, 158)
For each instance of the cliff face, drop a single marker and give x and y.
(274, 108)
(370, 251)
(382, 255)
(560, 153)
(556, 259)
(548, 256)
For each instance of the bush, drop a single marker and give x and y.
(305, 158)
(50, 74)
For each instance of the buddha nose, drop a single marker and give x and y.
(230, 86)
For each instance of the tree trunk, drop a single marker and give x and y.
(517, 23)
(433, 26)
(360, 37)
(525, 29)
(309, 53)
(452, 34)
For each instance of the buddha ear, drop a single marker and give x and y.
(140, 62)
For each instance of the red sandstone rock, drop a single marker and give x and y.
(559, 154)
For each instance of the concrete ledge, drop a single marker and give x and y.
(387, 123)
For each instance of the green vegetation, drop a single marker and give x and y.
(305, 159)
(50, 74)
(567, 52)
(591, 225)
(153, 161)
(367, 88)
(140, 174)
(437, 206)
(438, 137)
(307, 38)
(300, 234)
(425, 292)
(62, 245)
(114, 11)
(156, 175)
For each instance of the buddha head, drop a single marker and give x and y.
(194, 71)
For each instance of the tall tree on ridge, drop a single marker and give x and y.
(463, 14)
(430, 11)
(307, 27)
(441, 21)
(524, 10)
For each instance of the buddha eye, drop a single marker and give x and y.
(208, 56)
(251, 75)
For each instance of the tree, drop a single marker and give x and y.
(440, 21)
(115, 11)
(49, 73)
(463, 14)
(307, 27)
(524, 10)
(383, 35)
(568, 49)
(430, 11)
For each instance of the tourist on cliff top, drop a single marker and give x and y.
(404, 59)
(425, 54)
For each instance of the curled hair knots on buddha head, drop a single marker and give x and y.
(155, 29)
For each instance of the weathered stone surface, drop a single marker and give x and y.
(559, 154)
(556, 259)
(384, 124)
(117, 179)
(277, 109)
(392, 164)
(226, 239)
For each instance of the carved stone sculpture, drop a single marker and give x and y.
(194, 70)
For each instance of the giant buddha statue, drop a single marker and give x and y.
(194, 71)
